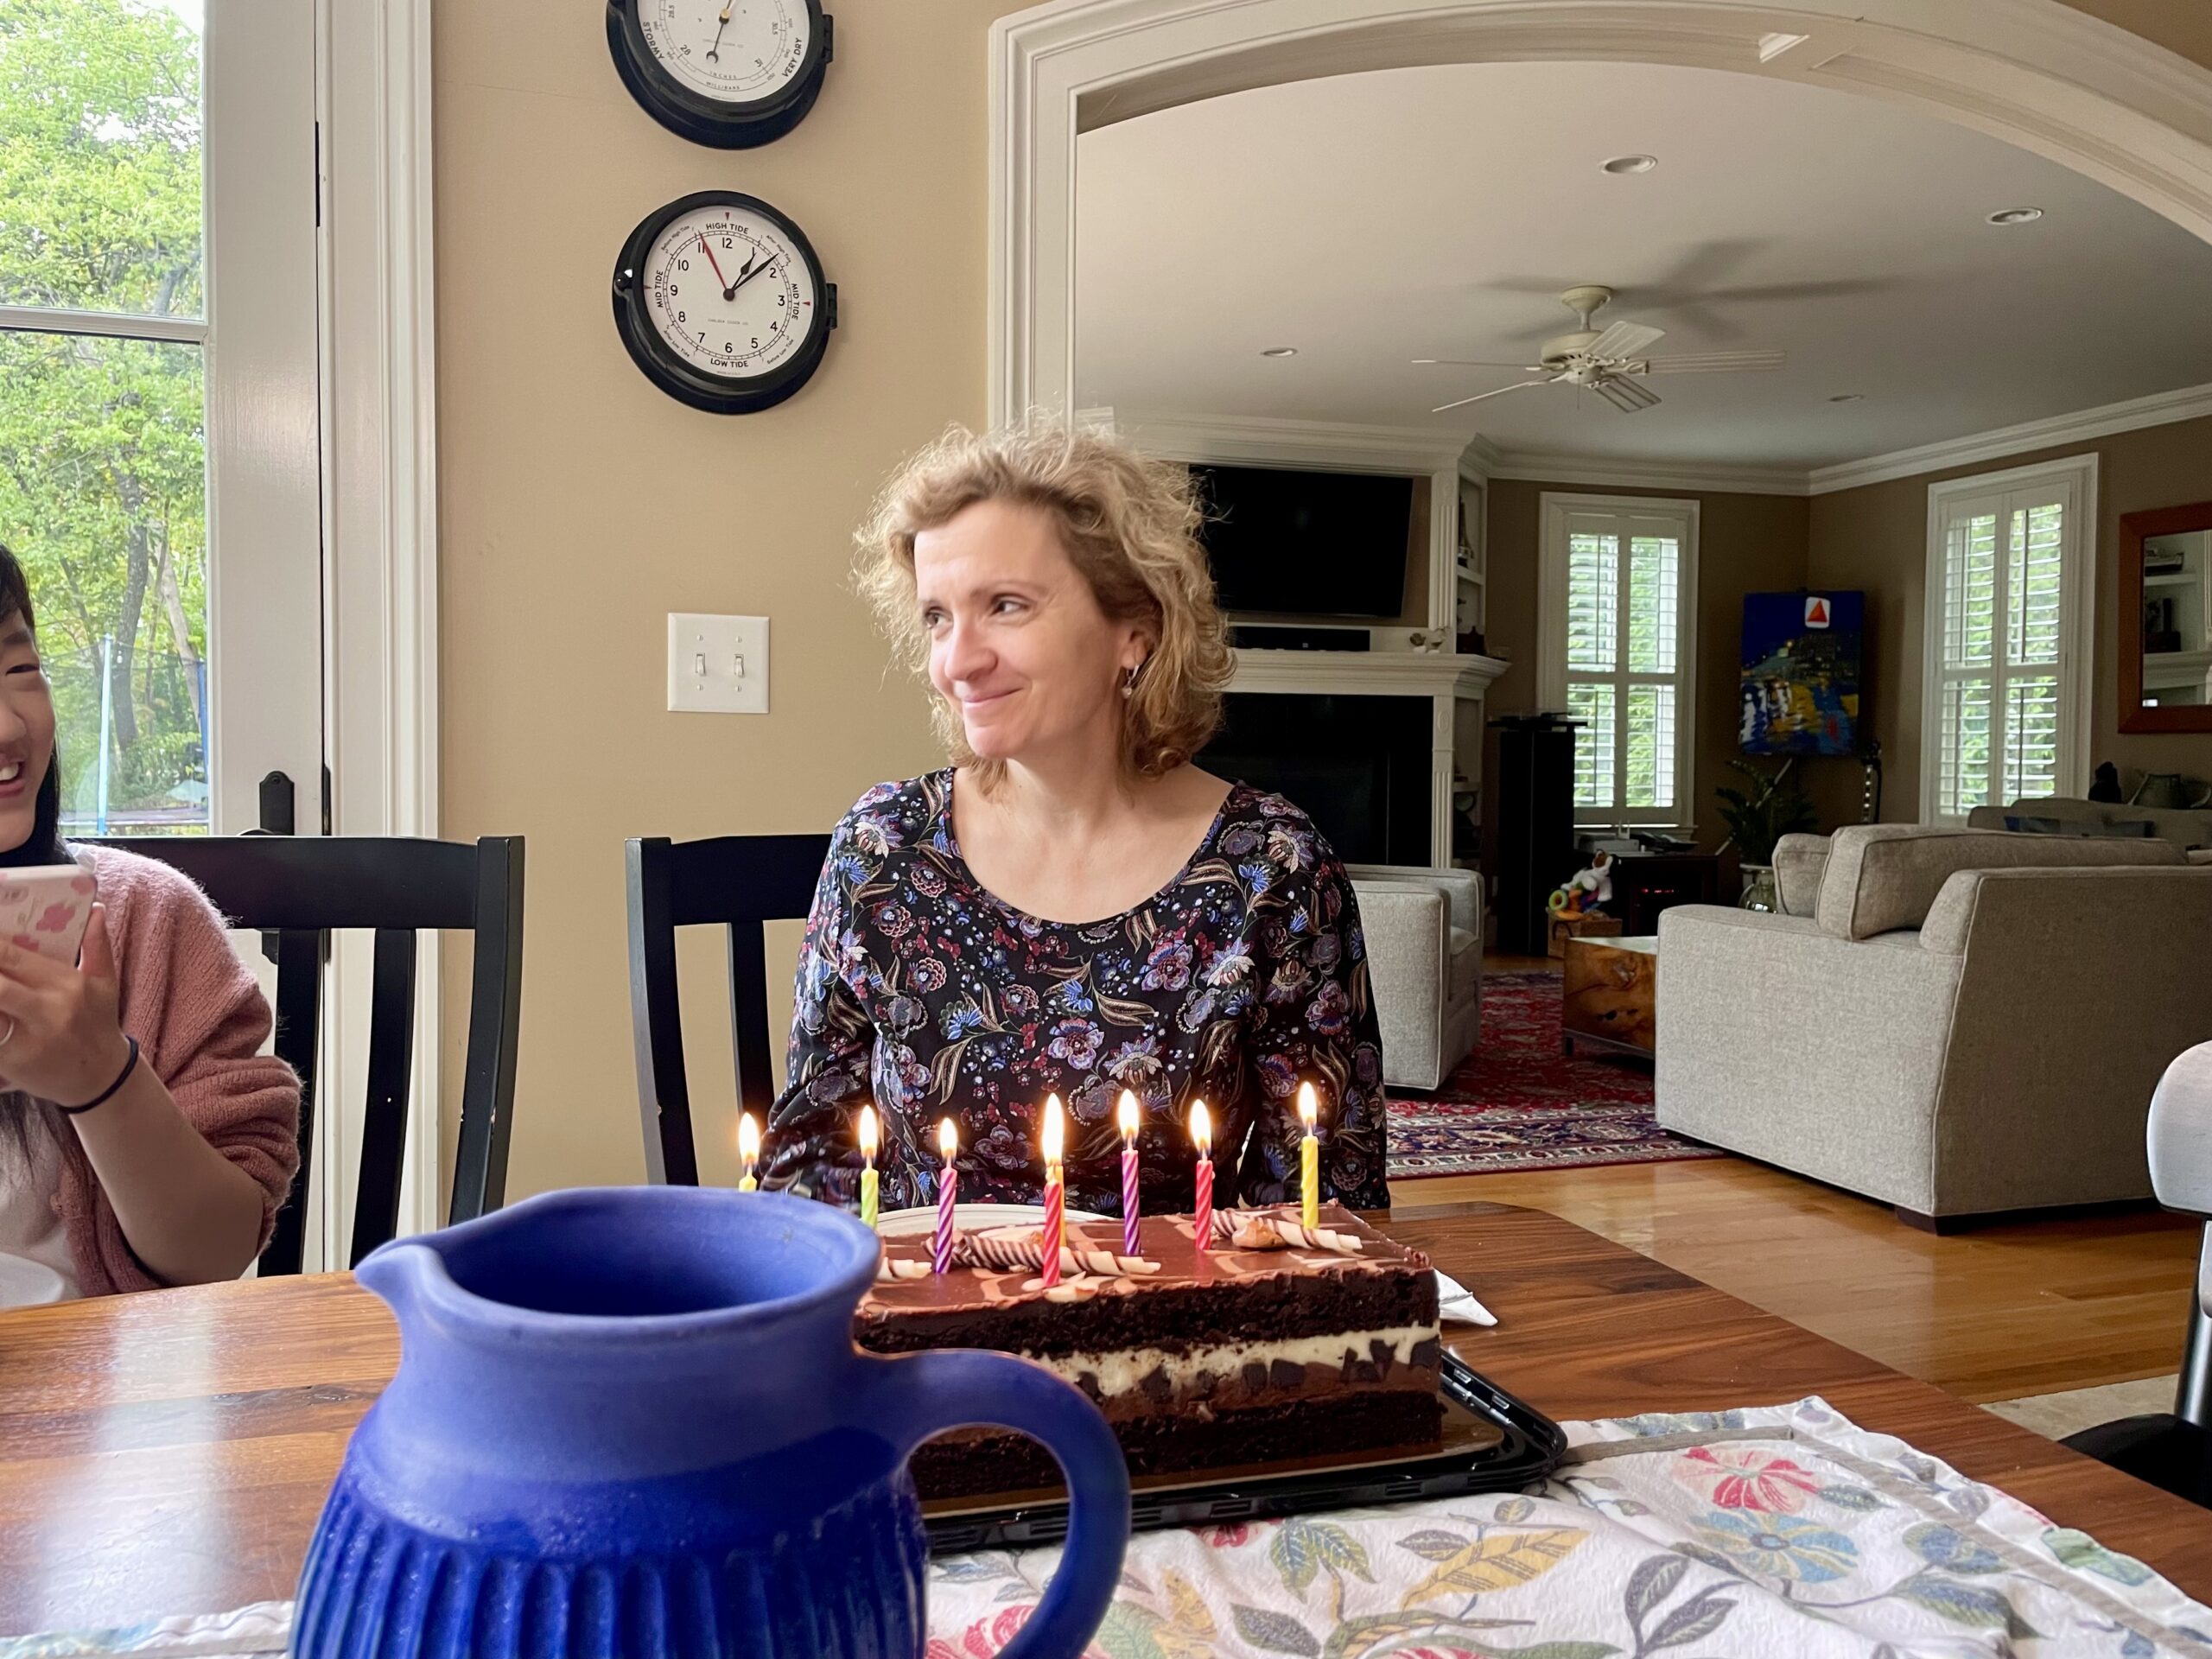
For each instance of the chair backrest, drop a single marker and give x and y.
(738, 882)
(298, 890)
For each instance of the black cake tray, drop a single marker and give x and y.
(1493, 1443)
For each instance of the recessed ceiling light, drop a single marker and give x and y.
(1630, 164)
(1847, 397)
(1280, 351)
(2016, 216)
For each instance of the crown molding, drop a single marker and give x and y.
(2159, 408)
(1264, 439)
(1707, 477)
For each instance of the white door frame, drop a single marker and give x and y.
(2035, 73)
(380, 541)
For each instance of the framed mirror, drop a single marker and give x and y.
(2165, 619)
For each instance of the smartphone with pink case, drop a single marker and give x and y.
(44, 908)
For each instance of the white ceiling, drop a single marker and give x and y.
(1369, 220)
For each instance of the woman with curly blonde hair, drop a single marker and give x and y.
(1071, 906)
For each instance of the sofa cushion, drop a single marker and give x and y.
(1466, 963)
(1799, 863)
(1881, 876)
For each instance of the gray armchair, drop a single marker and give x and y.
(1424, 930)
(2174, 1450)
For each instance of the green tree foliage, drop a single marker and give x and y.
(102, 447)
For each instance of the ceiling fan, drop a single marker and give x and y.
(1609, 361)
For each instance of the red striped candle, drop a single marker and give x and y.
(948, 1189)
(1055, 1185)
(1127, 1115)
(1202, 1208)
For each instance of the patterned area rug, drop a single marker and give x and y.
(1518, 1104)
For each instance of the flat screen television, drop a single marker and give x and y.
(1306, 544)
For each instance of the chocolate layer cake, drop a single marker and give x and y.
(1275, 1343)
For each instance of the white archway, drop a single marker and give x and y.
(2035, 73)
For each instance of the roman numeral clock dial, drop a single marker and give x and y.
(721, 302)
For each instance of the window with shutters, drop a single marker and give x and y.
(1618, 653)
(2004, 702)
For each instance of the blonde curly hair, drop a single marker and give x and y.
(1130, 525)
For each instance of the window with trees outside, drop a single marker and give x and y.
(103, 452)
(1618, 651)
(2003, 707)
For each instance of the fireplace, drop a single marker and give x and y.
(1360, 766)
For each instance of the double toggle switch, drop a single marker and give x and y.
(718, 665)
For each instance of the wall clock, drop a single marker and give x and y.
(721, 302)
(732, 73)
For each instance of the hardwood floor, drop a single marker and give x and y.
(1994, 1314)
(1991, 1314)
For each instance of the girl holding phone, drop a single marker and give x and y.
(145, 1139)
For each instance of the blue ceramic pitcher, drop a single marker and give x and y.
(632, 1421)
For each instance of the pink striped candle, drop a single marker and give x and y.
(1127, 1115)
(1055, 1190)
(948, 1189)
(1202, 1207)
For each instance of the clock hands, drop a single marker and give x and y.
(728, 288)
(744, 276)
(715, 52)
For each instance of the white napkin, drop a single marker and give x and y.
(1456, 1304)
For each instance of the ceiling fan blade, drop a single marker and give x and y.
(1471, 363)
(1518, 385)
(1627, 395)
(1624, 340)
(1714, 362)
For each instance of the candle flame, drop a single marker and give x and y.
(1308, 1111)
(868, 1134)
(749, 1139)
(1201, 1128)
(948, 1138)
(1055, 1133)
(1127, 1115)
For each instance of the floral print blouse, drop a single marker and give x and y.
(1243, 978)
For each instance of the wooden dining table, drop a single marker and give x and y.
(169, 1452)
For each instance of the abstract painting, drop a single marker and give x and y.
(1801, 660)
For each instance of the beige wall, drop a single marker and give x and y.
(1746, 545)
(1876, 538)
(579, 505)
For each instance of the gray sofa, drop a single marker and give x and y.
(1424, 930)
(1954, 1021)
(2063, 815)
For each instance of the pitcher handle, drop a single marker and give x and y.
(963, 1388)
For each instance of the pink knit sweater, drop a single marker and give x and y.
(200, 1018)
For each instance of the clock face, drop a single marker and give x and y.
(721, 302)
(731, 51)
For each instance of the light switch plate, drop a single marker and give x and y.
(718, 665)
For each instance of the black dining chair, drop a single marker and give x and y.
(738, 882)
(296, 891)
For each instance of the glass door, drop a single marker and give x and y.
(160, 433)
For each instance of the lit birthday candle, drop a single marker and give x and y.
(1202, 1209)
(870, 1181)
(1055, 1192)
(1126, 1113)
(1309, 1158)
(748, 1154)
(948, 1187)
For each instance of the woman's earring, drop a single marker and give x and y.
(1129, 685)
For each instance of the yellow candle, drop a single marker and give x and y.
(1309, 1157)
(869, 1180)
(748, 1154)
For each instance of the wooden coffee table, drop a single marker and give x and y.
(169, 1452)
(1610, 994)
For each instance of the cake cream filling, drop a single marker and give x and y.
(1123, 1369)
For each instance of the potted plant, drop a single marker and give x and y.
(1776, 806)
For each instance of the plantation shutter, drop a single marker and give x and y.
(1620, 588)
(2001, 688)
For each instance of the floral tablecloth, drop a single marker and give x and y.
(1784, 1531)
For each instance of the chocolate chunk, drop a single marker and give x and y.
(1154, 1384)
(1285, 1374)
(1088, 1382)
(1427, 1354)
(1255, 1376)
(1385, 1356)
(1363, 1371)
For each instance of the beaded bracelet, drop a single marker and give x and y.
(107, 1094)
